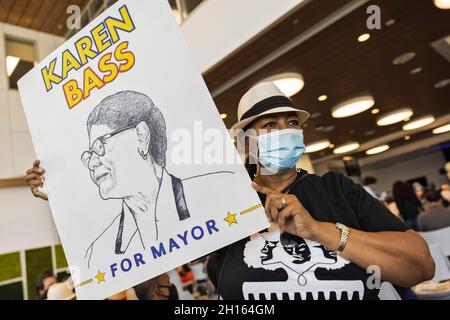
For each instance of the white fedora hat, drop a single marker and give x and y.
(265, 98)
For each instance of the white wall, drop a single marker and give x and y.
(407, 168)
(218, 27)
(25, 222)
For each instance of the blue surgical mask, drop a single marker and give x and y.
(280, 150)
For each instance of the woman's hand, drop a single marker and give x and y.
(35, 178)
(289, 213)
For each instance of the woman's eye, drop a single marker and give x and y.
(269, 125)
(293, 123)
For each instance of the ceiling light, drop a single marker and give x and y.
(442, 129)
(322, 98)
(354, 106)
(346, 148)
(442, 84)
(364, 37)
(331, 146)
(11, 64)
(377, 150)
(224, 116)
(289, 83)
(394, 117)
(389, 23)
(407, 138)
(347, 158)
(317, 146)
(419, 123)
(415, 71)
(442, 4)
(404, 58)
(375, 111)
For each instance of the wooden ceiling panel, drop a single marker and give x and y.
(42, 15)
(334, 63)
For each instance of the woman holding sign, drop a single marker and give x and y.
(329, 238)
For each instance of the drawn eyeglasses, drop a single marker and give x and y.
(98, 147)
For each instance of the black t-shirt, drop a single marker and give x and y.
(270, 265)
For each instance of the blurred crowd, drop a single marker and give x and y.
(422, 208)
(187, 282)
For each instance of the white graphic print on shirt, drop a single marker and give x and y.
(299, 258)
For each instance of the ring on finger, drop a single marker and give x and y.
(283, 203)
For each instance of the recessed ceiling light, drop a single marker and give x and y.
(354, 106)
(442, 4)
(347, 158)
(224, 115)
(419, 123)
(331, 146)
(407, 138)
(415, 71)
(389, 23)
(442, 129)
(328, 128)
(11, 64)
(346, 148)
(404, 58)
(322, 98)
(364, 37)
(377, 150)
(317, 146)
(289, 83)
(394, 117)
(375, 111)
(442, 84)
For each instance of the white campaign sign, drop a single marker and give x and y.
(111, 113)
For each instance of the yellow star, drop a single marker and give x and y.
(231, 218)
(100, 277)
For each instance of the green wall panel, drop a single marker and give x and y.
(13, 291)
(61, 261)
(38, 261)
(10, 266)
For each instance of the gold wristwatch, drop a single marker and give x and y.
(345, 231)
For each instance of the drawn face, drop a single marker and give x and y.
(267, 251)
(296, 247)
(111, 170)
(292, 250)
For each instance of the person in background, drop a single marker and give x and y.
(45, 281)
(61, 291)
(368, 185)
(325, 230)
(407, 203)
(419, 190)
(445, 194)
(389, 202)
(187, 277)
(435, 216)
(158, 288)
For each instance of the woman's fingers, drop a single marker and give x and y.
(286, 214)
(261, 189)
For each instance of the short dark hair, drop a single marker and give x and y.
(127, 109)
(433, 195)
(369, 180)
(40, 283)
